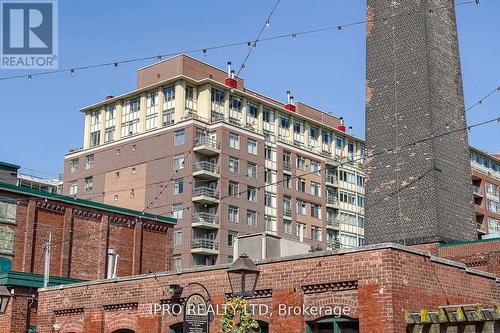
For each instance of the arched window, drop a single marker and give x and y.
(333, 325)
(263, 327)
(177, 328)
(124, 330)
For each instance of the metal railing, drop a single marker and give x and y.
(332, 200)
(287, 166)
(287, 212)
(333, 244)
(205, 191)
(204, 243)
(331, 179)
(202, 217)
(207, 141)
(333, 222)
(478, 190)
(206, 166)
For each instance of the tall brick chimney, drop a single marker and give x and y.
(421, 193)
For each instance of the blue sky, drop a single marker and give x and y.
(40, 118)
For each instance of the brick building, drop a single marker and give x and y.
(376, 283)
(83, 234)
(486, 184)
(215, 150)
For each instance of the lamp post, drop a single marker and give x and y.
(4, 299)
(243, 275)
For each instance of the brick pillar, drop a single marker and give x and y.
(103, 247)
(136, 260)
(29, 248)
(66, 246)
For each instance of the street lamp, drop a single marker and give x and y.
(243, 276)
(4, 299)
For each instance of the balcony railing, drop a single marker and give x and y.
(202, 217)
(205, 191)
(204, 243)
(333, 222)
(478, 190)
(287, 212)
(333, 244)
(207, 142)
(287, 166)
(331, 179)
(332, 200)
(206, 166)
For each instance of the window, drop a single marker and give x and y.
(268, 153)
(251, 170)
(177, 210)
(234, 141)
(315, 211)
(491, 189)
(252, 110)
(361, 201)
(340, 143)
(73, 187)
(301, 185)
(234, 164)
(8, 211)
(177, 237)
(316, 189)
(218, 98)
(286, 160)
(315, 167)
(179, 137)
(231, 238)
(493, 206)
(234, 103)
(348, 240)
(233, 214)
(493, 226)
(287, 181)
(151, 110)
(284, 122)
(347, 177)
(313, 134)
(233, 189)
(301, 207)
(270, 223)
(269, 199)
(95, 138)
(251, 218)
(268, 116)
(88, 184)
(298, 127)
(89, 161)
(130, 117)
(251, 194)
(301, 163)
(74, 165)
(179, 162)
(287, 206)
(269, 176)
(252, 146)
(347, 197)
(6, 240)
(178, 186)
(176, 263)
(361, 181)
(315, 233)
(168, 115)
(287, 227)
(327, 138)
(361, 222)
(109, 134)
(191, 98)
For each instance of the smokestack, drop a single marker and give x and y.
(288, 97)
(232, 74)
(291, 100)
(341, 127)
(229, 69)
(350, 129)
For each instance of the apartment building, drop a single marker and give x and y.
(486, 184)
(192, 142)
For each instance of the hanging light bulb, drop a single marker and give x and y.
(339, 28)
(269, 23)
(254, 44)
(243, 67)
(249, 44)
(294, 36)
(72, 71)
(205, 52)
(478, 2)
(116, 65)
(29, 77)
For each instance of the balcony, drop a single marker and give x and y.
(478, 192)
(333, 244)
(206, 170)
(207, 146)
(287, 213)
(287, 167)
(205, 195)
(204, 246)
(332, 180)
(333, 223)
(481, 229)
(332, 201)
(205, 220)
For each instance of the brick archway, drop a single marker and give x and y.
(121, 323)
(72, 327)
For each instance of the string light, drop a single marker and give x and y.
(294, 36)
(205, 53)
(72, 71)
(478, 3)
(268, 24)
(116, 64)
(29, 77)
(339, 28)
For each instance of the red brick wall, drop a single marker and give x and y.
(389, 279)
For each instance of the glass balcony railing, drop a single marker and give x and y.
(206, 166)
(333, 222)
(202, 217)
(207, 142)
(287, 212)
(331, 179)
(205, 191)
(204, 243)
(331, 200)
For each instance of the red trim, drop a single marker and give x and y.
(341, 128)
(231, 83)
(290, 107)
